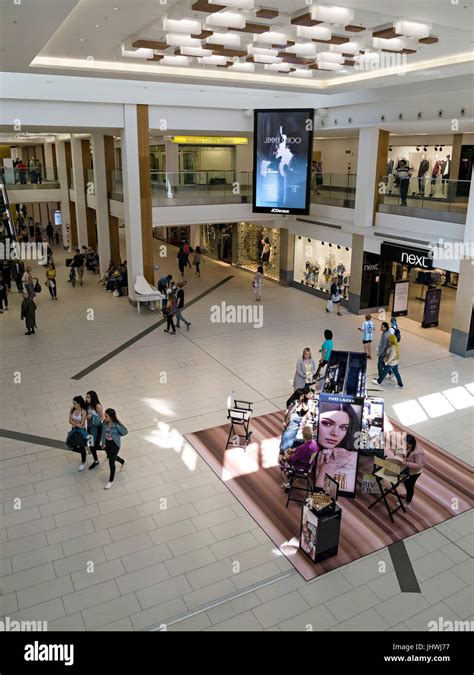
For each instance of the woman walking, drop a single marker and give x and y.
(182, 259)
(95, 418)
(77, 437)
(51, 281)
(305, 370)
(180, 306)
(170, 311)
(28, 283)
(414, 461)
(391, 361)
(112, 431)
(335, 298)
(28, 312)
(257, 283)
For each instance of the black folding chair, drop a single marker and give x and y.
(393, 474)
(239, 416)
(304, 475)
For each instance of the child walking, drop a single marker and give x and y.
(197, 260)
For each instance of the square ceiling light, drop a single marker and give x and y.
(195, 51)
(179, 40)
(279, 67)
(392, 44)
(225, 39)
(301, 72)
(329, 65)
(226, 20)
(304, 49)
(186, 26)
(213, 60)
(271, 37)
(235, 4)
(262, 51)
(412, 28)
(341, 16)
(243, 67)
(313, 32)
(346, 48)
(330, 57)
(141, 53)
(175, 60)
(263, 58)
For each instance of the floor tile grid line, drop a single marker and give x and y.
(221, 601)
(451, 541)
(144, 333)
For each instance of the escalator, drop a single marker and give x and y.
(7, 232)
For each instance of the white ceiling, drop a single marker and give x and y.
(80, 36)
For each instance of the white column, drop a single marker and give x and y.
(366, 177)
(80, 190)
(195, 236)
(101, 201)
(48, 161)
(172, 166)
(63, 183)
(131, 196)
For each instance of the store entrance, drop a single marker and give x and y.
(216, 241)
(420, 280)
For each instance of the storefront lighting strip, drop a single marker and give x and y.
(214, 75)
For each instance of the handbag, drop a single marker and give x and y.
(76, 438)
(37, 286)
(329, 306)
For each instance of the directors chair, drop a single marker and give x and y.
(304, 474)
(239, 415)
(389, 476)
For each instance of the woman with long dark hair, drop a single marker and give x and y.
(95, 417)
(77, 437)
(112, 431)
(337, 427)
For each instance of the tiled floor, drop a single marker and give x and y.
(169, 545)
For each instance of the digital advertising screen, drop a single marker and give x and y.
(283, 143)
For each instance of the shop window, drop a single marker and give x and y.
(316, 263)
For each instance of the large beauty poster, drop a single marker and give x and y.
(339, 426)
(283, 143)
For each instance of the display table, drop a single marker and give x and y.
(319, 532)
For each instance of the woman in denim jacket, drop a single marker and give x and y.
(112, 431)
(95, 417)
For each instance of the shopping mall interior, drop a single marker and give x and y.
(176, 241)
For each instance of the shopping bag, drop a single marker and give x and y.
(329, 306)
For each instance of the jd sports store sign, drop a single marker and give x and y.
(415, 257)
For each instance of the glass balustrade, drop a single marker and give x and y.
(333, 189)
(21, 177)
(408, 196)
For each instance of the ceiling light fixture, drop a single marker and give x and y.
(226, 20)
(271, 37)
(195, 51)
(302, 72)
(392, 44)
(225, 39)
(307, 49)
(180, 40)
(413, 29)
(234, 4)
(346, 48)
(329, 65)
(262, 51)
(214, 60)
(187, 26)
(425, 148)
(264, 58)
(243, 67)
(330, 57)
(175, 60)
(332, 14)
(141, 53)
(279, 67)
(313, 32)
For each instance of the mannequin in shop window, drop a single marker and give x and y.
(266, 251)
(435, 173)
(340, 270)
(422, 171)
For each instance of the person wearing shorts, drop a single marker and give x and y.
(367, 334)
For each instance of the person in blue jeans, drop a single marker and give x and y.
(112, 431)
(326, 349)
(383, 346)
(391, 361)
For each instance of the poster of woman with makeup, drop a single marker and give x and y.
(339, 424)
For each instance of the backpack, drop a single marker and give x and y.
(398, 335)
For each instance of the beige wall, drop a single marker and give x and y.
(337, 154)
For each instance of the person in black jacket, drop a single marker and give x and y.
(28, 312)
(182, 258)
(180, 306)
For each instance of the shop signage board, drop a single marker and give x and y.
(400, 298)
(415, 257)
(432, 307)
(208, 140)
(283, 142)
(58, 218)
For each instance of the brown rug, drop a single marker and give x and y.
(254, 477)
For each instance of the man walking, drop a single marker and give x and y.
(180, 306)
(382, 348)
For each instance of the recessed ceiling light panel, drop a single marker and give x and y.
(341, 16)
(179, 40)
(186, 26)
(413, 29)
(226, 20)
(313, 32)
(225, 39)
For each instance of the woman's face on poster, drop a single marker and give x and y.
(333, 427)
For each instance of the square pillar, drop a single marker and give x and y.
(371, 165)
(80, 190)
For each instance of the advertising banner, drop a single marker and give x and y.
(400, 298)
(283, 143)
(432, 307)
(339, 425)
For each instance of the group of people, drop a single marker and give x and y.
(34, 171)
(95, 429)
(172, 304)
(115, 278)
(84, 258)
(184, 253)
(307, 369)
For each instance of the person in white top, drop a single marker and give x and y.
(257, 283)
(78, 422)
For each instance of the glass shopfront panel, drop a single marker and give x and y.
(317, 262)
(259, 245)
(216, 241)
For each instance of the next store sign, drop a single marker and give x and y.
(415, 257)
